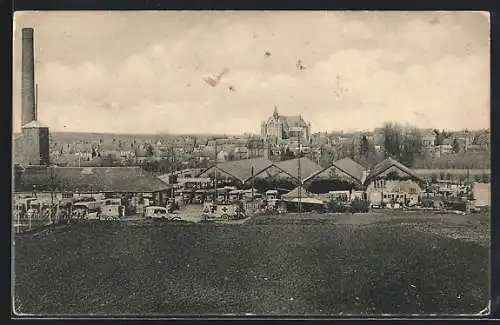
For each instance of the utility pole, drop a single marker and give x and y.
(253, 183)
(299, 177)
(172, 169)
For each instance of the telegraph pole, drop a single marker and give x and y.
(171, 165)
(253, 183)
(299, 177)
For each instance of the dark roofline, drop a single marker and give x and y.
(360, 182)
(302, 181)
(157, 185)
(274, 165)
(249, 178)
(222, 170)
(393, 163)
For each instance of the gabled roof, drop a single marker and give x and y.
(388, 163)
(89, 179)
(295, 193)
(293, 121)
(241, 169)
(348, 167)
(351, 167)
(482, 139)
(307, 167)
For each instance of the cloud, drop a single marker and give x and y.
(360, 73)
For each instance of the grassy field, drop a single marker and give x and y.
(350, 264)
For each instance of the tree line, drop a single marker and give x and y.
(405, 144)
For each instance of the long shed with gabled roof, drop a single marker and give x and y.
(343, 174)
(70, 181)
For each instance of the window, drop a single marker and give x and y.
(380, 183)
(67, 195)
(413, 190)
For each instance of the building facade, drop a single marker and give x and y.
(279, 127)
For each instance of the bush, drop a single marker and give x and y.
(360, 206)
(334, 206)
(427, 202)
(459, 206)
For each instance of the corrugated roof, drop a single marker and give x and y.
(388, 163)
(347, 166)
(86, 179)
(351, 167)
(242, 169)
(307, 167)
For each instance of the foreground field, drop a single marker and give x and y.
(312, 264)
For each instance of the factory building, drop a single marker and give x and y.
(32, 146)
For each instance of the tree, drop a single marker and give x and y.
(392, 140)
(440, 137)
(411, 146)
(149, 150)
(456, 146)
(403, 144)
(364, 147)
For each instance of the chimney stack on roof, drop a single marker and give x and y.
(28, 77)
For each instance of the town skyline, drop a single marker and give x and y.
(429, 69)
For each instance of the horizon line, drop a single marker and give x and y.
(243, 133)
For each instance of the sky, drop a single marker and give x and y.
(145, 72)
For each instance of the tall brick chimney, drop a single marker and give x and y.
(28, 78)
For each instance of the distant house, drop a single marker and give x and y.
(344, 174)
(445, 148)
(482, 140)
(222, 156)
(127, 153)
(392, 182)
(114, 154)
(84, 154)
(428, 141)
(240, 152)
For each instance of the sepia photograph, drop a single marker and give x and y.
(251, 163)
